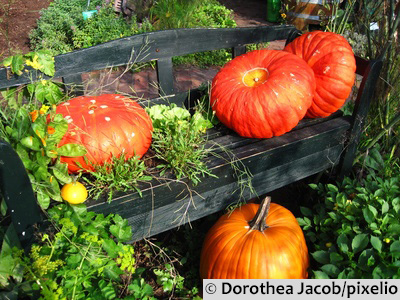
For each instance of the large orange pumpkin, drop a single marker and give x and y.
(263, 93)
(255, 242)
(107, 125)
(334, 65)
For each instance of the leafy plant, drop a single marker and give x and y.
(355, 229)
(168, 280)
(57, 24)
(81, 255)
(117, 175)
(34, 129)
(179, 142)
(105, 26)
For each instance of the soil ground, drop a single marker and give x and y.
(17, 18)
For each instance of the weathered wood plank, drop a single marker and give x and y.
(165, 76)
(363, 102)
(73, 84)
(153, 45)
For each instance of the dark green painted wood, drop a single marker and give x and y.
(73, 84)
(165, 76)
(16, 189)
(154, 45)
(294, 33)
(363, 102)
(273, 162)
(238, 50)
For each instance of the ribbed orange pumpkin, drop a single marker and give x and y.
(263, 93)
(255, 242)
(107, 125)
(334, 65)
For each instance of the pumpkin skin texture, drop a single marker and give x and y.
(262, 93)
(107, 125)
(232, 250)
(332, 60)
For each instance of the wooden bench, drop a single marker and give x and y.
(313, 146)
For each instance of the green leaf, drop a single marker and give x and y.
(321, 256)
(52, 92)
(376, 243)
(7, 61)
(332, 188)
(396, 204)
(385, 207)
(335, 257)
(31, 142)
(395, 249)
(331, 270)
(306, 211)
(394, 228)
(46, 60)
(359, 242)
(54, 191)
(3, 207)
(24, 156)
(71, 150)
(107, 289)
(74, 260)
(112, 271)
(17, 64)
(43, 199)
(366, 259)
(368, 215)
(41, 173)
(320, 275)
(110, 247)
(121, 230)
(60, 171)
(343, 243)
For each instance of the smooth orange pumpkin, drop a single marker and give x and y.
(107, 125)
(332, 60)
(263, 93)
(255, 242)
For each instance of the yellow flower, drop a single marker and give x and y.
(44, 109)
(34, 64)
(43, 81)
(387, 240)
(283, 16)
(168, 14)
(328, 245)
(34, 115)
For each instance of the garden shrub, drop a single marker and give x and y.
(105, 26)
(57, 23)
(61, 27)
(354, 232)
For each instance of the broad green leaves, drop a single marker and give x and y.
(355, 230)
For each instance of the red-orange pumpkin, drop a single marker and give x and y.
(107, 125)
(255, 242)
(262, 93)
(332, 60)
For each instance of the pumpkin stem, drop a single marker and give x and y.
(258, 222)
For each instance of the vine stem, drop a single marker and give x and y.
(258, 222)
